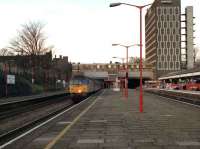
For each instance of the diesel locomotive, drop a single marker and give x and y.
(81, 86)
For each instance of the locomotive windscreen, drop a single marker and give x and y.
(79, 80)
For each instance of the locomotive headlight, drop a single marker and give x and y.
(79, 91)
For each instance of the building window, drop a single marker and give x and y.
(171, 37)
(168, 31)
(177, 51)
(174, 31)
(171, 24)
(165, 38)
(170, 10)
(162, 31)
(165, 11)
(177, 11)
(168, 58)
(177, 37)
(174, 58)
(168, 45)
(162, 58)
(167, 17)
(159, 51)
(174, 18)
(177, 24)
(162, 18)
(177, 65)
(165, 51)
(171, 65)
(159, 38)
(165, 25)
(159, 11)
(162, 44)
(174, 44)
(159, 65)
(171, 51)
(159, 24)
(165, 65)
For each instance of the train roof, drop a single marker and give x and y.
(81, 76)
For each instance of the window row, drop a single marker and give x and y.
(166, 24)
(168, 10)
(168, 52)
(168, 45)
(168, 65)
(165, 38)
(168, 58)
(168, 32)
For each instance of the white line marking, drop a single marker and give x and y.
(167, 115)
(63, 123)
(144, 141)
(31, 130)
(98, 121)
(188, 143)
(43, 139)
(84, 141)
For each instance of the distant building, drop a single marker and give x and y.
(26, 62)
(163, 36)
(62, 68)
(38, 66)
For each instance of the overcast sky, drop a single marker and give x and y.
(84, 30)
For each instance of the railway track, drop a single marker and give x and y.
(14, 133)
(10, 109)
(192, 99)
(13, 109)
(17, 131)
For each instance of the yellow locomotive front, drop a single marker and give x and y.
(78, 89)
(78, 86)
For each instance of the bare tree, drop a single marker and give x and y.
(5, 52)
(30, 40)
(135, 60)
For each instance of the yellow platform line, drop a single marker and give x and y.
(61, 134)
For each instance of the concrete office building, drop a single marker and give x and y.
(189, 37)
(163, 36)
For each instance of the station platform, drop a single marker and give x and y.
(5, 100)
(177, 91)
(113, 122)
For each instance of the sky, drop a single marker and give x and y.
(83, 30)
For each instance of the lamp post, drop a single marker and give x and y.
(122, 86)
(140, 8)
(122, 58)
(126, 78)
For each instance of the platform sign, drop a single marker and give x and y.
(10, 79)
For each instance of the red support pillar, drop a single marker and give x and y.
(141, 94)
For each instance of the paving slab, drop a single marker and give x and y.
(114, 122)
